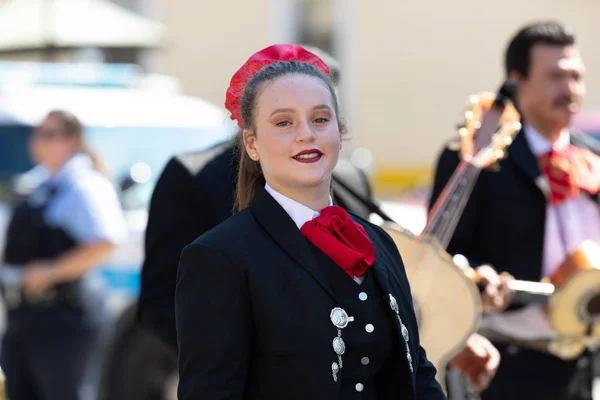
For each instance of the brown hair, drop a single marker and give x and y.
(250, 175)
(73, 127)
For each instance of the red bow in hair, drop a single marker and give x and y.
(570, 170)
(342, 239)
(269, 55)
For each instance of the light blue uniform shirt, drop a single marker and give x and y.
(86, 205)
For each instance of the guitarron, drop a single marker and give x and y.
(447, 301)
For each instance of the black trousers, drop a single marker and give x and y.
(47, 356)
(526, 374)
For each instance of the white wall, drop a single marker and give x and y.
(210, 40)
(408, 67)
(416, 63)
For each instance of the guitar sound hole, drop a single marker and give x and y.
(593, 306)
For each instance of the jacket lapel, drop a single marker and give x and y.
(278, 224)
(523, 157)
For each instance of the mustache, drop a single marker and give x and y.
(563, 101)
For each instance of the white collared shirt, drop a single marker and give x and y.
(299, 213)
(580, 216)
(87, 206)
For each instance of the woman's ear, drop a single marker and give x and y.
(250, 144)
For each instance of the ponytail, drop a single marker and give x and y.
(249, 178)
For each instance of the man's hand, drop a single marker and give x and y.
(497, 294)
(478, 361)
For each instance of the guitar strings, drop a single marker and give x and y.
(443, 228)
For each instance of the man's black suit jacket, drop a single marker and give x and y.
(503, 222)
(195, 193)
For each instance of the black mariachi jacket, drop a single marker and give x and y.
(253, 309)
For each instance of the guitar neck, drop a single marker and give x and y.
(527, 292)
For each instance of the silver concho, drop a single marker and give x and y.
(339, 346)
(335, 368)
(394, 304)
(403, 328)
(405, 332)
(339, 318)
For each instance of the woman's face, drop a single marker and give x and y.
(297, 137)
(50, 145)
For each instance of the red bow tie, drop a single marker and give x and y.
(342, 239)
(570, 170)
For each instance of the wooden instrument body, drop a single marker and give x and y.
(447, 303)
(572, 307)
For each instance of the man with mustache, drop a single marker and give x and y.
(539, 207)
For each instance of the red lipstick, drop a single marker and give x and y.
(308, 156)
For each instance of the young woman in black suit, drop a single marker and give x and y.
(292, 297)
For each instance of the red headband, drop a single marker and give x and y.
(269, 55)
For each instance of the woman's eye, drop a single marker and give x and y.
(283, 123)
(321, 120)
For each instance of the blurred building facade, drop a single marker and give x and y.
(408, 67)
